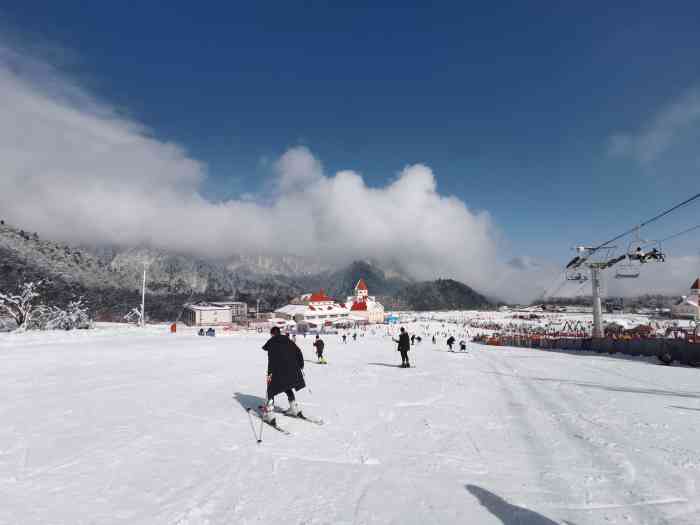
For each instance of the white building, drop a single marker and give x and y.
(364, 305)
(316, 310)
(239, 310)
(206, 314)
(689, 307)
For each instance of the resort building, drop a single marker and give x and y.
(364, 305)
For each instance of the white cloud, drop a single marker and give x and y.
(76, 170)
(659, 135)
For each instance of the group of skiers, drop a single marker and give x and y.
(451, 341)
(285, 367)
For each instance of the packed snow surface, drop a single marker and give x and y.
(140, 426)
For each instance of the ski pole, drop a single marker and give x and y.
(305, 381)
(262, 422)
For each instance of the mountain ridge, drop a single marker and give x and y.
(110, 278)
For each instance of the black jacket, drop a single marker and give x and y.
(284, 362)
(319, 344)
(404, 342)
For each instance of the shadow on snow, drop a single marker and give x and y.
(508, 513)
(247, 401)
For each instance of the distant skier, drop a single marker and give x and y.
(319, 345)
(450, 342)
(434, 340)
(345, 339)
(413, 339)
(404, 345)
(354, 336)
(285, 363)
(463, 346)
(201, 331)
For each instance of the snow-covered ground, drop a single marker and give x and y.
(121, 425)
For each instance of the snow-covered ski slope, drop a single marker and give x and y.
(129, 426)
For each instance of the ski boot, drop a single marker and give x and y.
(268, 413)
(293, 410)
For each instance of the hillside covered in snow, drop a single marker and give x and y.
(110, 278)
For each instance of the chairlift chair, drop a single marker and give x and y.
(576, 275)
(627, 270)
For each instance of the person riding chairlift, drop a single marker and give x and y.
(654, 255)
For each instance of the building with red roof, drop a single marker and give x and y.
(364, 305)
(317, 310)
(689, 307)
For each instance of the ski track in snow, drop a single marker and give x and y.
(128, 426)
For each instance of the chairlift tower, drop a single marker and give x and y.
(629, 269)
(597, 308)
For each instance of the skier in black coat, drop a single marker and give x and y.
(285, 363)
(404, 346)
(319, 345)
(450, 342)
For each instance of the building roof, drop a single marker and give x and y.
(292, 309)
(319, 297)
(359, 306)
(207, 307)
(696, 284)
(361, 285)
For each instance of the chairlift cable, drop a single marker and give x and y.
(645, 223)
(697, 226)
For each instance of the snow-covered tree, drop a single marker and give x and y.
(19, 306)
(76, 315)
(134, 316)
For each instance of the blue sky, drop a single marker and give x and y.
(513, 107)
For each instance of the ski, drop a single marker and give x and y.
(310, 419)
(278, 428)
(314, 420)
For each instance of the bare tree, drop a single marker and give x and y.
(19, 306)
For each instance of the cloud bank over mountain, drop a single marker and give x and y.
(77, 170)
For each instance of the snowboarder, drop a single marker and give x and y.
(285, 363)
(404, 345)
(319, 345)
(450, 342)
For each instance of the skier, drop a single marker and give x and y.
(354, 336)
(345, 339)
(463, 345)
(413, 339)
(285, 363)
(319, 344)
(434, 341)
(404, 346)
(450, 342)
